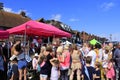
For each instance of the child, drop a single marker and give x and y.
(97, 71)
(89, 71)
(35, 61)
(55, 73)
(110, 71)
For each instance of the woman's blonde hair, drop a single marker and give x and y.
(43, 48)
(59, 49)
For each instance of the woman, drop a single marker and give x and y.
(43, 68)
(75, 64)
(35, 61)
(42, 51)
(48, 66)
(64, 63)
(105, 58)
(22, 63)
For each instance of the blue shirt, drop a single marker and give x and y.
(91, 71)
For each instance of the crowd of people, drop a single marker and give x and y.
(66, 61)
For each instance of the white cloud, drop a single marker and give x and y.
(56, 17)
(8, 9)
(73, 20)
(107, 6)
(17, 12)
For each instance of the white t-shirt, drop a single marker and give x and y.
(54, 73)
(92, 53)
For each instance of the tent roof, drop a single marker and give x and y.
(37, 28)
(4, 34)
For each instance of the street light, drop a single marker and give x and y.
(110, 37)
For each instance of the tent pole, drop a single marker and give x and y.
(25, 36)
(48, 40)
(28, 47)
(8, 49)
(24, 44)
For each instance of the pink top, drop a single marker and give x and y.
(66, 63)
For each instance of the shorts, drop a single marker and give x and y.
(22, 64)
(43, 75)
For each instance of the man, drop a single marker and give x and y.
(116, 58)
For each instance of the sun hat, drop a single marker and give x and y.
(66, 47)
(36, 54)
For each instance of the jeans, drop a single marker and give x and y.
(64, 74)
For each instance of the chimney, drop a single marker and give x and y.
(22, 13)
(1, 6)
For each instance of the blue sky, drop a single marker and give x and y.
(99, 17)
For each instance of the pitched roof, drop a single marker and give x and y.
(9, 20)
(57, 24)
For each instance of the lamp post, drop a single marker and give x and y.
(110, 37)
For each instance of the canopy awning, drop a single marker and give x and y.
(37, 28)
(4, 34)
